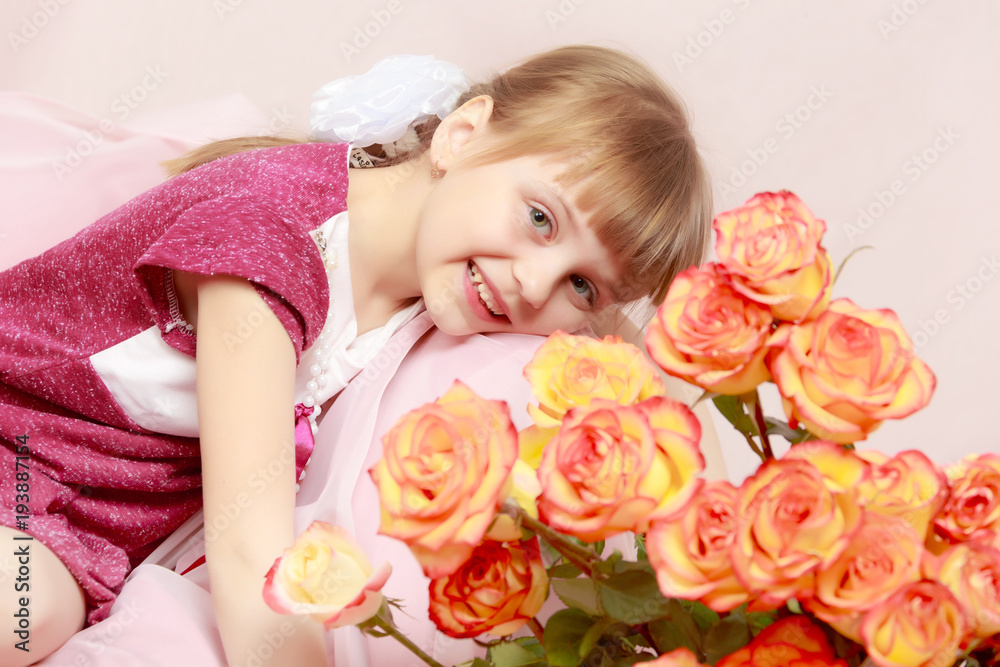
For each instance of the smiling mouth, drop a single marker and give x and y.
(485, 296)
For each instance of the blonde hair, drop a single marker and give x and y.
(627, 141)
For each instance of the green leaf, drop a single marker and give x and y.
(581, 593)
(564, 571)
(599, 547)
(595, 633)
(758, 620)
(632, 596)
(792, 435)
(703, 616)
(563, 635)
(732, 408)
(511, 654)
(731, 634)
(794, 606)
(476, 662)
(532, 644)
(610, 564)
(668, 636)
(640, 546)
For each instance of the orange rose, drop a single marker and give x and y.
(790, 525)
(771, 246)
(681, 657)
(908, 485)
(971, 571)
(690, 553)
(710, 335)
(793, 641)
(570, 371)
(844, 373)
(881, 558)
(921, 624)
(613, 468)
(972, 511)
(326, 575)
(500, 587)
(444, 469)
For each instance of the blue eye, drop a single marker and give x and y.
(540, 220)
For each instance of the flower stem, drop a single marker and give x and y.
(758, 412)
(390, 629)
(581, 557)
(537, 629)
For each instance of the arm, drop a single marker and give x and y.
(245, 394)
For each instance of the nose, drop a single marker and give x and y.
(536, 278)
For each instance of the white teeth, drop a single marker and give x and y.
(484, 292)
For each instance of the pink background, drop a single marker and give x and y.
(890, 82)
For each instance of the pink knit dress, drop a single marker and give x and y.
(102, 490)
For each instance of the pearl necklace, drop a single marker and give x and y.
(321, 348)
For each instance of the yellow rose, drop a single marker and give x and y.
(882, 557)
(790, 525)
(844, 373)
(771, 247)
(920, 624)
(326, 575)
(972, 510)
(908, 485)
(500, 587)
(613, 468)
(690, 553)
(971, 571)
(445, 468)
(570, 371)
(710, 335)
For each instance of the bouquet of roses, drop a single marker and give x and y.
(825, 556)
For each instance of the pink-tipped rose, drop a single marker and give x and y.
(500, 587)
(771, 247)
(445, 468)
(614, 468)
(691, 553)
(326, 575)
(790, 525)
(710, 335)
(844, 373)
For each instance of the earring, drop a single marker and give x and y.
(435, 172)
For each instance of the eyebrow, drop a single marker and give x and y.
(616, 294)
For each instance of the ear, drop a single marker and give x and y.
(455, 132)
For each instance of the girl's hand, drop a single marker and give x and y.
(245, 399)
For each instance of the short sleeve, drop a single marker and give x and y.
(246, 239)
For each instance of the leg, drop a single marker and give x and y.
(55, 601)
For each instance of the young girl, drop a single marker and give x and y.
(150, 365)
